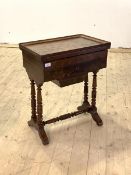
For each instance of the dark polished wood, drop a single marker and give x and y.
(93, 110)
(33, 101)
(85, 104)
(94, 86)
(41, 130)
(33, 120)
(63, 117)
(64, 61)
(86, 90)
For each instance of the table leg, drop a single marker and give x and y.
(41, 130)
(93, 110)
(33, 105)
(85, 104)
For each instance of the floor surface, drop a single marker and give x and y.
(77, 145)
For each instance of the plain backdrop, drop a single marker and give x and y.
(27, 20)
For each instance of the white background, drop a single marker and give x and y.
(26, 20)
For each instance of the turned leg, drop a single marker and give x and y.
(33, 105)
(94, 86)
(41, 130)
(93, 110)
(85, 104)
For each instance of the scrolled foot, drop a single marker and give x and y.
(97, 118)
(43, 135)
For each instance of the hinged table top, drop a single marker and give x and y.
(72, 45)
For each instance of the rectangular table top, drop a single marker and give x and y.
(73, 44)
(64, 60)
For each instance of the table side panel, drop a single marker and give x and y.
(75, 66)
(34, 68)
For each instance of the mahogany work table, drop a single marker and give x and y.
(64, 61)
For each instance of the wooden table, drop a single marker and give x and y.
(64, 61)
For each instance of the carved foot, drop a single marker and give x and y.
(43, 135)
(84, 106)
(41, 131)
(97, 118)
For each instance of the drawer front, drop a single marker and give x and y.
(75, 66)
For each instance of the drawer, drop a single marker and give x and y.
(75, 66)
(70, 80)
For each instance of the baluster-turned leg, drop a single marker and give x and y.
(33, 105)
(41, 130)
(93, 110)
(85, 104)
(86, 92)
(94, 86)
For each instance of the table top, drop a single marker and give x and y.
(65, 59)
(59, 45)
